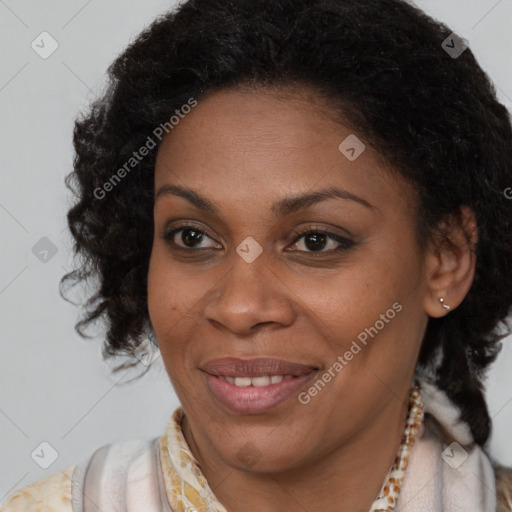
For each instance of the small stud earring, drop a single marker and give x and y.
(445, 306)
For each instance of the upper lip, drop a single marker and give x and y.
(233, 367)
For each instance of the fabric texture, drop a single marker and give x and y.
(456, 477)
(50, 494)
(161, 474)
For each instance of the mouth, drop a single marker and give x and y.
(263, 380)
(257, 385)
(257, 367)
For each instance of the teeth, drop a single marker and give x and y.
(263, 380)
(242, 382)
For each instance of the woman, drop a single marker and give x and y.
(303, 203)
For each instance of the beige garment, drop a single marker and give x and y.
(50, 494)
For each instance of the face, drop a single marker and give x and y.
(250, 261)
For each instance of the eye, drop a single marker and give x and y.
(191, 238)
(316, 239)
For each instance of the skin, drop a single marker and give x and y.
(243, 150)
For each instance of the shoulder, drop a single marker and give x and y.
(502, 474)
(102, 474)
(503, 488)
(51, 494)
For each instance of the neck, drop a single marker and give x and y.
(348, 478)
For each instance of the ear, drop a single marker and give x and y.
(450, 262)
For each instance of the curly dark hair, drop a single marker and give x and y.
(381, 64)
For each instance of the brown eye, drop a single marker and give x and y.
(191, 237)
(316, 240)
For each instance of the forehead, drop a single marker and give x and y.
(257, 143)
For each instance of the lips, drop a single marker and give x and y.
(255, 386)
(258, 367)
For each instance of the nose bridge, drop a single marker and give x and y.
(247, 294)
(247, 279)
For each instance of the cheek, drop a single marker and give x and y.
(376, 303)
(168, 300)
(157, 291)
(353, 298)
(167, 308)
(174, 301)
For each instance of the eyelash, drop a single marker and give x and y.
(345, 243)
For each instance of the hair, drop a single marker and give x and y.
(381, 65)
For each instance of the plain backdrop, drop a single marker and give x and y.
(58, 399)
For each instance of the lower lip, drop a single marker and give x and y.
(255, 399)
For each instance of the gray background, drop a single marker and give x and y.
(54, 387)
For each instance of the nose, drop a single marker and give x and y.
(250, 295)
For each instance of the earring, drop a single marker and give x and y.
(445, 306)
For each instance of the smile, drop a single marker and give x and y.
(256, 395)
(264, 380)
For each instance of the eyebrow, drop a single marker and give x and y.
(281, 208)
